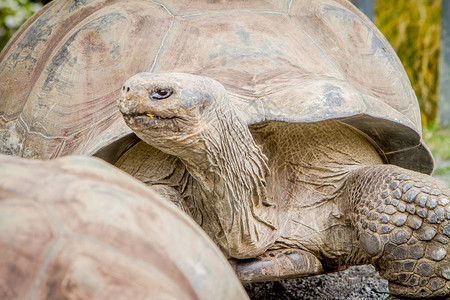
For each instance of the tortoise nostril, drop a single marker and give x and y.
(126, 88)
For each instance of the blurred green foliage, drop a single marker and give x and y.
(13, 13)
(413, 29)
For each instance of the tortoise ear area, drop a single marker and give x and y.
(191, 98)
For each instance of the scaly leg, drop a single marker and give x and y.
(402, 221)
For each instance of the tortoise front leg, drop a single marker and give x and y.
(402, 221)
(277, 265)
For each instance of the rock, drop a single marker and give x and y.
(359, 282)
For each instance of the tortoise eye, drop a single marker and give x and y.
(161, 94)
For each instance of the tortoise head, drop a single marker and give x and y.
(163, 109)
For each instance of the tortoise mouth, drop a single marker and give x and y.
(149, 115)
(150, 120)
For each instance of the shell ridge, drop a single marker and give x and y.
(30, 131)
(289, 7)
(237, 11)
(165, 7)
(53, 250)
(163, 42)
(5, 120)
(331, 62)
(58, 37)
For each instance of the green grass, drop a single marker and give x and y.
(438, 140)
(442, 171)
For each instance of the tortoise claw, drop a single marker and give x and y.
(277, 265)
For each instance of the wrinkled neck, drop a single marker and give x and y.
(227, 150)
(231, 170)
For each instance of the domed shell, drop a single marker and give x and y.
(77, 228)
(289, 61)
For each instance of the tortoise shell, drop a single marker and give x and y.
(77, 228)
(291, 61)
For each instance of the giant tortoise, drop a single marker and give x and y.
(287, 129)
(77, 228)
